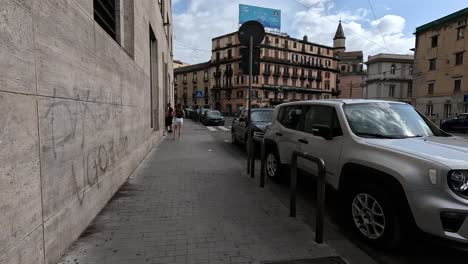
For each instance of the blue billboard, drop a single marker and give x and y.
(270, 18)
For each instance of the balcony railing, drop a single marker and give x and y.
(277, 74)
(294, 76)
(267, 73)
(303, 77)
(286, 75)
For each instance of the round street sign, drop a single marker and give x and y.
(251, 28)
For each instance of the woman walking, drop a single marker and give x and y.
(179, 120)
(169, 117)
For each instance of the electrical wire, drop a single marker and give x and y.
(378, 25)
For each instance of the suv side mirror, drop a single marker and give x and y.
(322, 131)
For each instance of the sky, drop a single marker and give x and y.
(388, 29)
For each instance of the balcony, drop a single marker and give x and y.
(294, 75)
(311, 77)
(276, 74)
(286, 75)
(319, 78)
(303, 76)
(228, 72)
(336, 92)
(267, 73)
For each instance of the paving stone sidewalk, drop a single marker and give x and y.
(190, 202)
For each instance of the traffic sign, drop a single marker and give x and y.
(199, 94)
(252, 29)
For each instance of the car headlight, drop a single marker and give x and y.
(458, 182)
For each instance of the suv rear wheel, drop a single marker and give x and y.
(373, 215)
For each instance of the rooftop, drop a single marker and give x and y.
(194, 67)
(441, 21)
(390, 58)
(348, 54)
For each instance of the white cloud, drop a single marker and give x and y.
(205, 19)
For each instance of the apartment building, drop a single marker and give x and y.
(290, 69)
(440, 69)
(188, 80)
(390, 77)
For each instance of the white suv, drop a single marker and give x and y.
(393, 166)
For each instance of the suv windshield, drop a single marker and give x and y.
(388, 120)
(262, 116)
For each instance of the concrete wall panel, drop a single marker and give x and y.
(20, 194)
(17, 47)
(64, 49)
(28, 250)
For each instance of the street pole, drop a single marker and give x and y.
(249, 137)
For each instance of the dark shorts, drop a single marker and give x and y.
(168, 120)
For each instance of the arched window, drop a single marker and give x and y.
(392, 69)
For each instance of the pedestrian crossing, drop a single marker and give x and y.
(218, 128)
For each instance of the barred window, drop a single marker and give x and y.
(105, 15)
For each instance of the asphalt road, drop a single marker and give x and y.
(420, 250)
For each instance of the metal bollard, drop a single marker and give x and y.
(262, 164)
(293, 187)
(320, 213)
(252, 157)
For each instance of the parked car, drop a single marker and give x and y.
(395, 169)
(212, 118)
(261, 117)
(458, 123)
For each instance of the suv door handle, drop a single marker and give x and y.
(303, 141)
(279, 134)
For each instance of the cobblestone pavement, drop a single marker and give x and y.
(189, 201)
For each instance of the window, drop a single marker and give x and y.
(410, 70)
(240, 94)
(266, 94)
(276, 41)
(194, 77)
(430, 88)
(267, 39)
(290, 116)
(319, 50)
(276, 54)
(460, 33)
(275, 81)
(317, 115)
(205, 75)
(185, 78)
(229, 54)
(229, 40)
(327, 85)
(277, 68)
(432, 64)
(391, 91)
(457, 86)
(285, 81)
(410, 90)
(447, 110)
(105, 16)
(429, 110)
(217, 56)
(265, 80)
(343, 68)
(295, 44)
(459, 58)
(255, 79)
(392, 69)
(434, 41)
(311, 48)
(294, 83)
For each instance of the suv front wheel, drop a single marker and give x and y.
(273, 164)
(373, 215)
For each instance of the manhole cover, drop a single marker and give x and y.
(327, 260)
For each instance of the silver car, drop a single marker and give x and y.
(395, 169)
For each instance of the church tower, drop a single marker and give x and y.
(339, 41)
